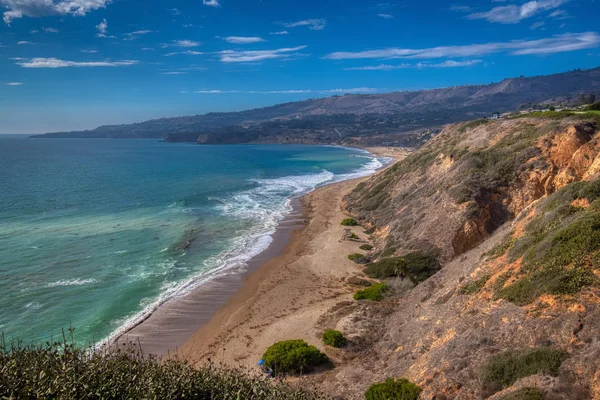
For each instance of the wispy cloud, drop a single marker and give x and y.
(14, 83)
(289, 91)
(51, 30)
(137, 34)
(23, 42)
(554, 44)
(42, 8)
(243, 39)
(232, 56)
(460, 8)
(537, 25)
(90, 51)
(387, 67)
(513, 14)
(57, 63)
(186, 53)
(385, 16)
(175, 11)
(173, 73)
(211, 3)
(182, 43)
(279, 33)
(316, 24)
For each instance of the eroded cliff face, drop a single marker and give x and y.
(513, 209)
(454, 192)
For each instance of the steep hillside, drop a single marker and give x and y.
(360, 118)
(512, 209)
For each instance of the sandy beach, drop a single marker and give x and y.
(289, 295)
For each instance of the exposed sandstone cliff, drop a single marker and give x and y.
(513, 210)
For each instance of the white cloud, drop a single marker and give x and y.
(445, 64)
(290, 91)
(553, 44)
(136, 34)
(14, 83)
(243, 40)
(460, 8)
(536, 25)
(385, 16)
(173, 73)
(51, 30)
(182, 43)
(147, 49)
(175, 11)
(513, 14)
(231, 56)
(22, 42)
(279, 33)
(102, 27)
(56, 63)
(211, 3)
(89, 51)
(41, 8)
(314, 24)
(187, 53)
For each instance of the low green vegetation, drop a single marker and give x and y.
(501, 248)
(474, 286)
(594, 107)
(334, 338)
(505, 369)
(393, 389)
(589, 114)
(366, 247)
(415, 266)
(473, 124)
(560, 248)
(349, 222)
(293, 357)
(527, 393)
(388, 251)
(374, 292)
(356, 257)
(62, 371)
(353, 236)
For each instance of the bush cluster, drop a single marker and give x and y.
(293, 356)
(349, 222)
(366, 247)
(356, 257)
(63, 371)
(392, 389)
(505, 369)
(334, 338)
(415, 266)
(374, 292)
(474, 286)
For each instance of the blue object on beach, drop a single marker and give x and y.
(261, 362)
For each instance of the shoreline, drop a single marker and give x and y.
(174, 323)
(289, 295)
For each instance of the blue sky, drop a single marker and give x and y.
(76, 64)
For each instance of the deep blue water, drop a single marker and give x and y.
(96, 233)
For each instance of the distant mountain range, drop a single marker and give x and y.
(401, 118)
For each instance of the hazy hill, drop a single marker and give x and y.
(360, 119)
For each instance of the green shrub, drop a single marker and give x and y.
(474, 286)
(353, 236)
(374, 292)
(527, 393)
(349, 222)
(366, 247)
(63, 371)
(594, 107)
(501, 248)
(415, 266)
(388, 251)
(505, 369)
(293, 356)
(393, 389)
(356, 257)
(334, 338)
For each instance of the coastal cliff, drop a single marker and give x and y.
(511, 208)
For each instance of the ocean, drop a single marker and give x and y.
(95, 234)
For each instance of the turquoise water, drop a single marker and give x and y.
(96, 234)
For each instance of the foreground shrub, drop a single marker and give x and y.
(349, 222)
(293, 356)
(474, 286)
(62, 371)
(374, 292)
(393, 389)
(527, 393)
(415, 266)
(366, 247)
(505, 369)
(334, 338)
